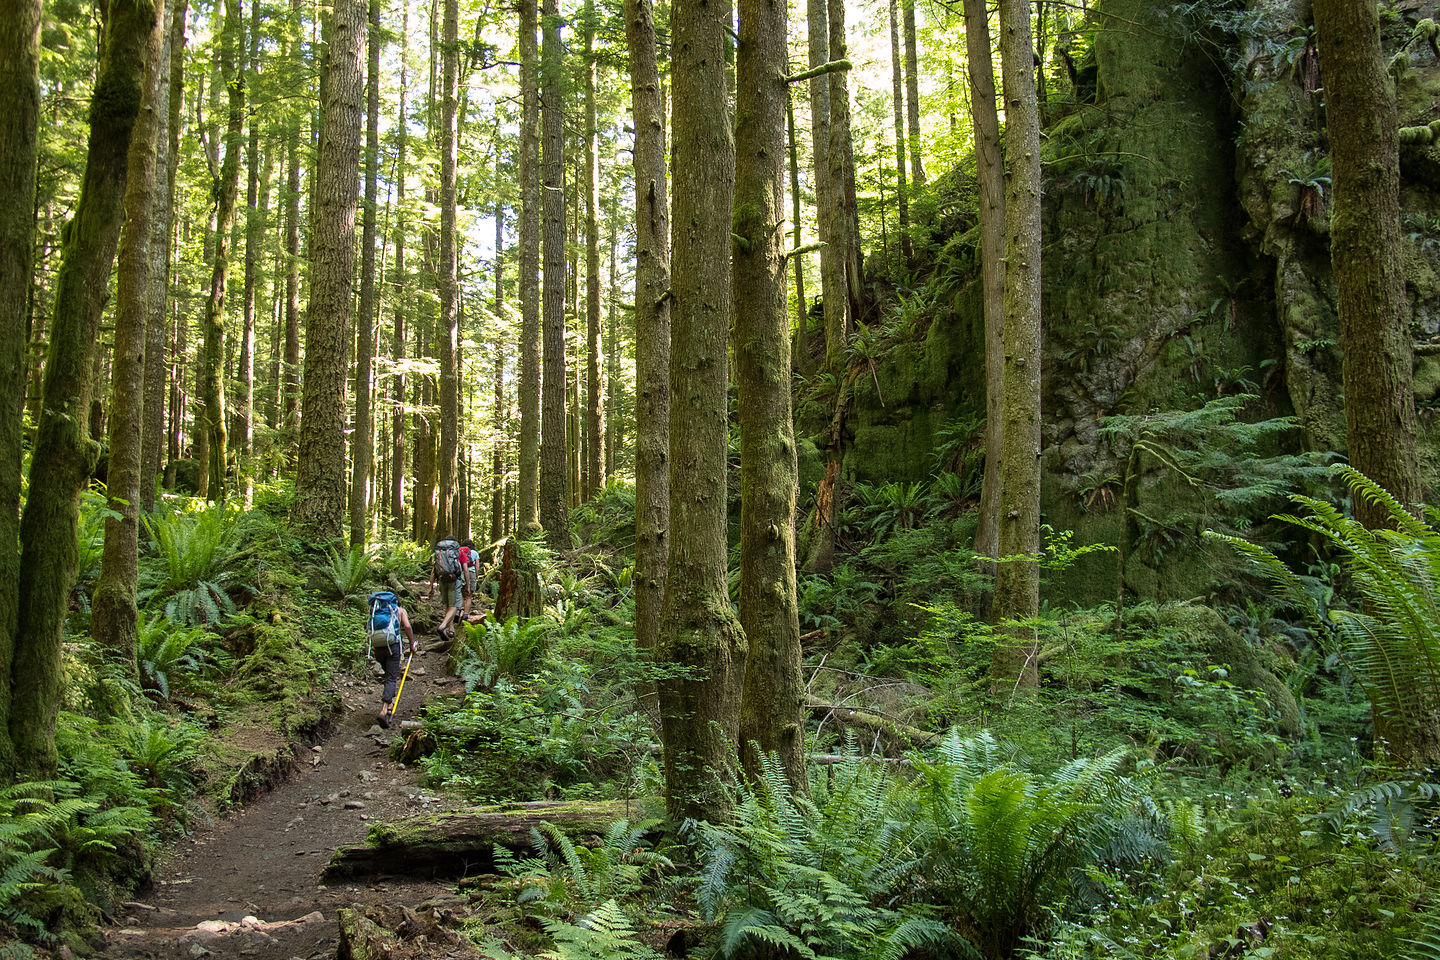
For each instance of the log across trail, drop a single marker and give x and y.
(250, 885)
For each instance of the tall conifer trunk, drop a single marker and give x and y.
(113, 610)
(292, 259)
(19, 145)
(161, 223)
(254, 233)
(595, 394)
(320, 475)
(362, 439)
(397, 395)
(770, 719)
(1017, 583)
(902, 192)
(448, 335)
(652, 331)
(554, 466)
(700, 713)
(991, 177)
(528, 484)
(64, 455)
(912, 89)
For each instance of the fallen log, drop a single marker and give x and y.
(463, 844)
(898, 730)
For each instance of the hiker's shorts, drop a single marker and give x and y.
(470, 581)
(388, 652)
(450, 593)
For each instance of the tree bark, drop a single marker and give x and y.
(362, 440)
(113, 611)
(841, 157)
(1365, 253)
(158, 322)
(595, 393)
(700, 712)
(554, 468)
(902, 192)
(1017, 582)
(991, 177)
(612, 346)
(912, 89)
(292, 259)
(255, 205)
(770, 718)
(528, 507)
(19, 145)
(64, 454)
(397, 396)
(801, 358)
(211, 410)
(652, 332)
(448, 335)
(320, 476)
(832, 254)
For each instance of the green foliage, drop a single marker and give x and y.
(344, 574)
(165, 652)
(882, 509)
(90, 538)
(194, 563)
(494, 650)
(828, 877)
(1392, 645)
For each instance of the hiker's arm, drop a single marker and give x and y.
(409, 633)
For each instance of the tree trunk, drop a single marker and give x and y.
(832, 254)
(912, 89)
(800, 357)
(292, 274)
(612, 346)
(902, 193)
(254, 235)
(700, 712)
(448, 335)
(652, 332)
(770, 718)
(991, 177)
(397, 396)
(320, 476)
(1017, 583)
(113, 611)
(19, 145)
(212, 400)
(64, 455)
(554, 470)
(157, 324)
(841, 157)
(528, 507)
(595, 394)
(1365, 253)
(362, 440)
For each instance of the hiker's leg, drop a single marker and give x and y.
(392, 677)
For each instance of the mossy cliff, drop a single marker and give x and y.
(1186, 257)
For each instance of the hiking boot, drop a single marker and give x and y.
(384, 721)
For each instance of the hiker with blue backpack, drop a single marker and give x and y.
(386, 623)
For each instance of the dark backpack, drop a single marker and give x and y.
(384, 617)
(447, 559)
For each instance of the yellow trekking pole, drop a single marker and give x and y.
(395, 704)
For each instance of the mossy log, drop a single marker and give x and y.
(895, 731)
(361, 938)
(463, 844)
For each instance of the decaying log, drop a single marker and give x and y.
(463, 844)
(519, 593)
(895, 730)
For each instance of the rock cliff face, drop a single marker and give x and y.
(1186, 257)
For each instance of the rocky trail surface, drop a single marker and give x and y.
(250, 885)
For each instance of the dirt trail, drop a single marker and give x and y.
(249, 885)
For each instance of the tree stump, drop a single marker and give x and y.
(519, 594)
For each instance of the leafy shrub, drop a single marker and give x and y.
(493, 650)
(194, 563)
(165, 653)
(345, 573)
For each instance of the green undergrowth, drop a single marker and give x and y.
(236, 658)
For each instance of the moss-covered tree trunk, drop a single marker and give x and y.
(292, 261)
(397, 340)
(528, 482)
(700, 712)
(256, 202)
(800, 356)
(158, 322)
(19, 142)
(64, 454)
(211, 410)
(1017, 582)
(447, 336)
(991, 177)
(770, 717)
(841, 158)
(897, 84)
(832, 270)
(554, 452)
(1365, 251)
(114, 614)
(912, 90)
(362, 441)
(320, 475)
(594, 386)
(652, 330)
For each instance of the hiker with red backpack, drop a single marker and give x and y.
(470, 564)
(447, 570)
(386, 622)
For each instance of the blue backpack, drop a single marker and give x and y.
(384, 617)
